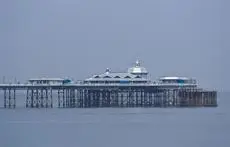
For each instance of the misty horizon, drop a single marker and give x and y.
(77, 39)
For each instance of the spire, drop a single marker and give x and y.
(138, 63)
(107, 71)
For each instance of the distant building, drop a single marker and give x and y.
(134, 75)
(48, 81)
(177, 80)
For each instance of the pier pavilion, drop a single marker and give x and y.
(132, 88)
(134, 75)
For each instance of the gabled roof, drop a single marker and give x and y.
(133, 74)
(113, 76)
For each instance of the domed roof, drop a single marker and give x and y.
(137, 69)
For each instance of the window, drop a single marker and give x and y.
(138, 77)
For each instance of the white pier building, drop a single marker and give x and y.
(134, 75)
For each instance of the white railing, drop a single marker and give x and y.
(101, 84)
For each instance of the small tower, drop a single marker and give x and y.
(138, 64)
(138, 70)
(107, 71)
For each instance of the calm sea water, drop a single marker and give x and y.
(114, 127)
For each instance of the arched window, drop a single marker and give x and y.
(138, 77)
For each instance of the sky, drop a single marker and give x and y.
(79, 38)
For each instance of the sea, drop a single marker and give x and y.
(116, 127)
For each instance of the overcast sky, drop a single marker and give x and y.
(78, 38)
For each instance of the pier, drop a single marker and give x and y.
(129, 89)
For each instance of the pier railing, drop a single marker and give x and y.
(2, 86)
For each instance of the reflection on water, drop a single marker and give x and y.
(113, 127)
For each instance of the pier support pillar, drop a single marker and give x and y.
(66, 98)
(39, 97)
(9, 98)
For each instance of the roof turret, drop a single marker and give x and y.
(137, 69)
